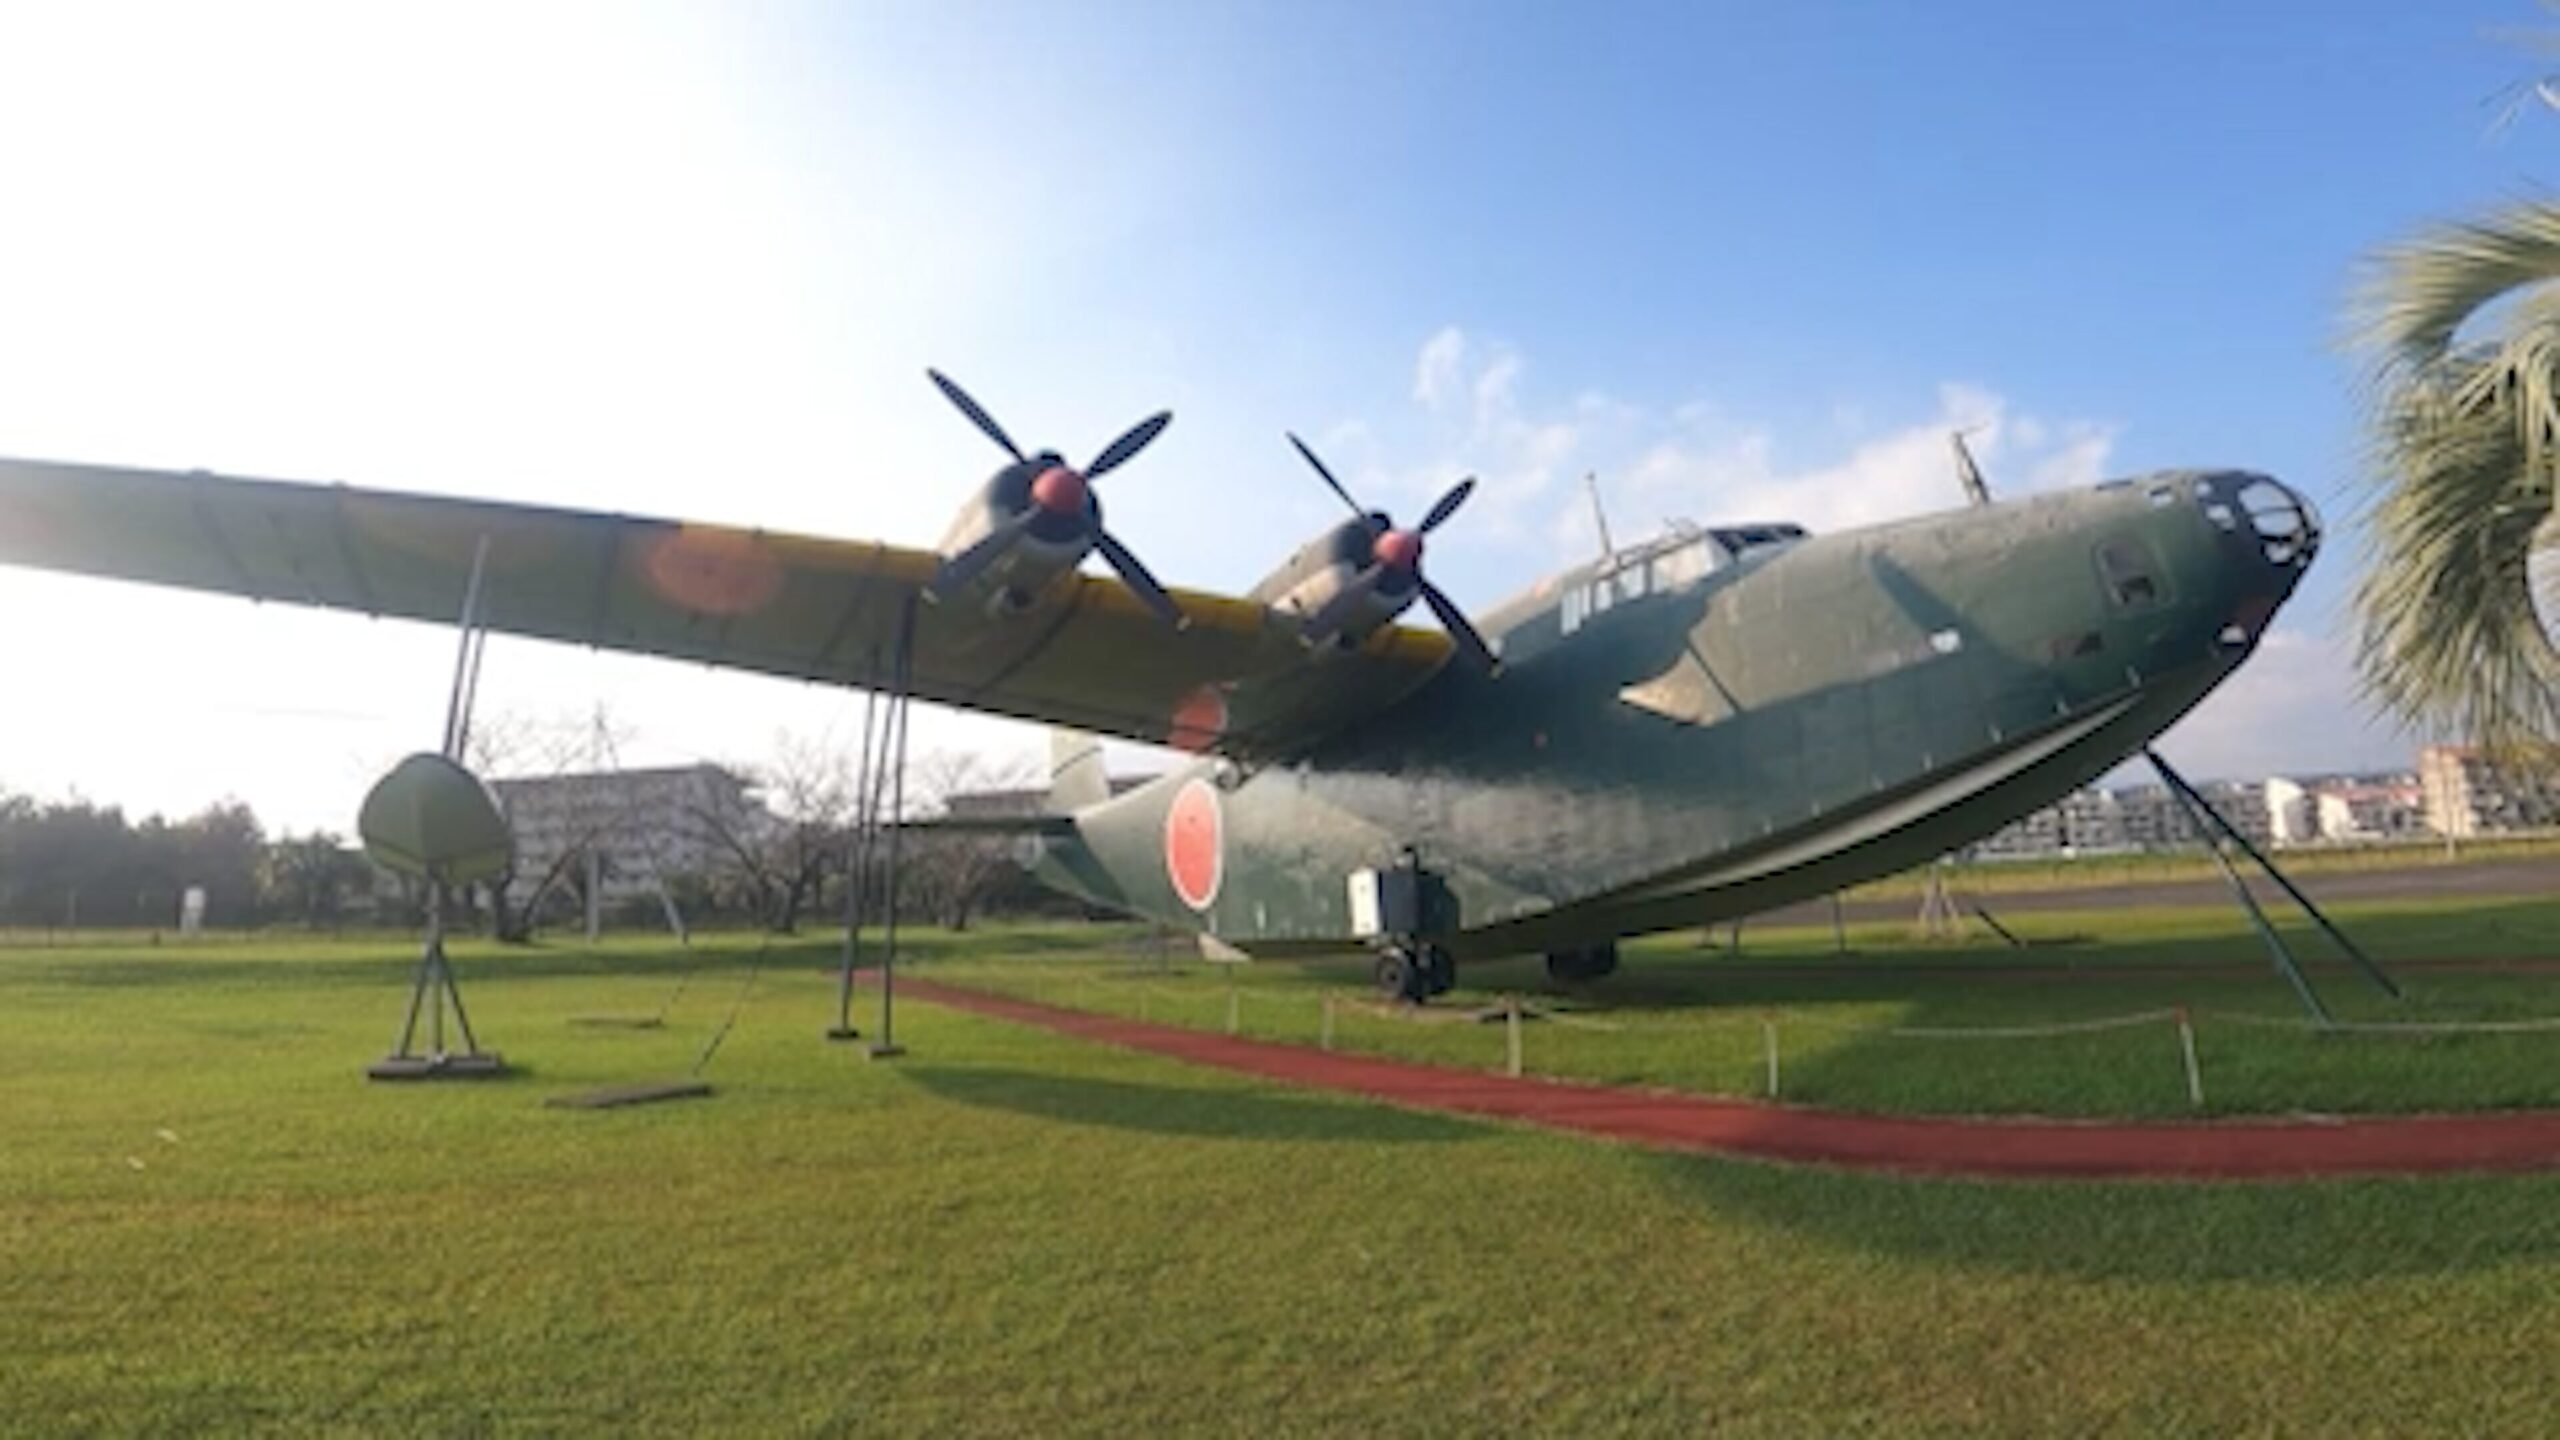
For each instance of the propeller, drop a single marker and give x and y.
(1060, 491)
(1395, 559)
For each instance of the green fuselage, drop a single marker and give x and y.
(1710, 726)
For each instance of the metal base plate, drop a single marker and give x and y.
(479, 1065)
(843, 1032)
(618, 1022)
(639, 1093)
(885, 1052)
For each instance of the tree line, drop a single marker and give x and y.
(73, 863)
(781, 865)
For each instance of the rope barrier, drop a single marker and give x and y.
(1511, 1011)
(2013, 1032)
(2535, 1025)
(1191, 1008)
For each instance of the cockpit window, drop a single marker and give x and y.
(1745, 541)
(1683, 565)
(2131, 576)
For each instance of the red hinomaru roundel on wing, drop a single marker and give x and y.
(1193, 845)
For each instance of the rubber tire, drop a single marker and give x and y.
(1439, 971)
(1399, 977)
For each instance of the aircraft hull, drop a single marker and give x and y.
(1846, 709)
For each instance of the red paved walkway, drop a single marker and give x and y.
(2230, 1149)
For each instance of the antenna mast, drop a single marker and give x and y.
(1968, 474)
(1599, 517)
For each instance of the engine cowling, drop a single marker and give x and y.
(1058, 519)
(1320, 586)
(1363, 574)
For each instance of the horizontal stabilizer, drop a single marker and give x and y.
(992, 825)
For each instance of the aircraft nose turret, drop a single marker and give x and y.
(2269, 533)
(2266, 518)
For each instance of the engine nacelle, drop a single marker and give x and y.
(1315, 587)
(1055, 538)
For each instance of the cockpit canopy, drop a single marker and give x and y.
(1688, 553)
(1675, 560)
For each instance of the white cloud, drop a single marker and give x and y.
(1435, 371)
(1692, 462)
(1497, 387)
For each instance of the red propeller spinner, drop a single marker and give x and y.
(1059, 490)
(1398, 549)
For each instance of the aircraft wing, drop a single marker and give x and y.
(1085, 654)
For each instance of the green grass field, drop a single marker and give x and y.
(1678, 1017)
(210, 1223)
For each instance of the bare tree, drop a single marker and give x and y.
(791, 837)
(947, 875)
(511, 745)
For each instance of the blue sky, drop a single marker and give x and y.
(1740, 259)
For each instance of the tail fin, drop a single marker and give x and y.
(1076, 776)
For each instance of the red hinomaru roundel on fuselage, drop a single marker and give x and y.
(1193, 857)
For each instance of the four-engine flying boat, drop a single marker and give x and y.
(1713, 723)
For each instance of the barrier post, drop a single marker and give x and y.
(2187, 1049)
(1769, 1050)
(1511, 1025)
(1324, 1036)
(1231, 1008)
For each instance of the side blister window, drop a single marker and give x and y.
(2129, 574)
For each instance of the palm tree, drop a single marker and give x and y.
(2462, 326)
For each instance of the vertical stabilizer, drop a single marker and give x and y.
(1076, 776)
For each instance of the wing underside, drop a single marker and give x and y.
(1085, 654)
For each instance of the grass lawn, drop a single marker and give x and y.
(209, 1223)
(1690, 1020)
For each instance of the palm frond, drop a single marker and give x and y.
(2465, 443)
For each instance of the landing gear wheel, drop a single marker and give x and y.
(1403, 975)
(1439, 972)
(1567, 967)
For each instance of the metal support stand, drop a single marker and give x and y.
(857, 865)
(433, 990)
(434, 986)
(2215, 828)
(884, 766)
(894, 741)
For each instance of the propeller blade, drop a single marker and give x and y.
(952, 392)
(1328, 477)
(1460, 628)
(1328, 620)
(1138, 437)
(966, 566)
(1135, 576)
(1448, 504)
